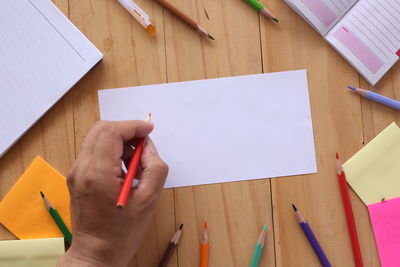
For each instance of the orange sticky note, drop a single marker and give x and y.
(22, 210)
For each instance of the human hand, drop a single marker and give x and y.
(104, 234)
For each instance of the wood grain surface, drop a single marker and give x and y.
(246, 43)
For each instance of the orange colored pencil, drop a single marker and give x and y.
(204, 247)
(133, 165)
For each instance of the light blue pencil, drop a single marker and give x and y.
(377, 97)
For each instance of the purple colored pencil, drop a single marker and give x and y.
(311, 238)
(377, 97)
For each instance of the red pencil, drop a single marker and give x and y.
(351, 225)
(133, 165)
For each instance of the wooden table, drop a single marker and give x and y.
(245, 44)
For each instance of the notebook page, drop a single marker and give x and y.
(369, 37)
(321, 14)
(42, 55)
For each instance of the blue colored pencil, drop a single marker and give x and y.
(377, 97)
(311, 238)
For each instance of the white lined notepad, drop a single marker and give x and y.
(42, 55)
(365, 32)
(225, 129)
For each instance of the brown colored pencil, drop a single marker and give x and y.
(185, 18)
(171, 247)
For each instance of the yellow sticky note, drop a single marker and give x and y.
(22, 210)
(31, 252)
(374, 171)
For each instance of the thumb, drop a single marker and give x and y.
(154, 172)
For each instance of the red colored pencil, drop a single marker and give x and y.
(133, 165)
(349, 213)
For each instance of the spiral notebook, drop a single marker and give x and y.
(365, 32)
(42, 55)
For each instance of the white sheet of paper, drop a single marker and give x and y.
(42, 55)
(225, 129)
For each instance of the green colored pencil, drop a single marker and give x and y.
(57, 219)
(262, 9)
(255, 260)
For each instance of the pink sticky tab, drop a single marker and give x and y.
(359, 49)
(398, 52)
(385, 219)
(321, 11)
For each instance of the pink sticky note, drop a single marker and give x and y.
(385, 219)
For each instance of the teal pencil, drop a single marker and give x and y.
(255, 260)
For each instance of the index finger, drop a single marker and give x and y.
(133, 129)
(154, 173)
(124, 131)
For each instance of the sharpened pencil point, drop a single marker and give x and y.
(264, 228)
(294, 207)
(337, 155)
(209, 36)
(206, 225)
(276, 20)
(180, 227)
(148, 118)
(41, 193)
(352, 88)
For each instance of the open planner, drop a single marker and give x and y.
(365, 32)
(42, 55)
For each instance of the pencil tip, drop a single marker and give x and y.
(294, 207)
(337, 155)
(148, 118)
(180, 227)
(352, 88)
(206, 225)
(41, 193)
(265, 227)
(276, 20)
(209, 36)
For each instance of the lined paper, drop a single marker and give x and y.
(375, 24)
(42, 55)
(322, 14)
(359, 48)
(225, 129)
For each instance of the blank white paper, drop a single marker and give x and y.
(225, 129)
(42, 55)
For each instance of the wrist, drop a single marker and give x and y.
(71, 261)
(88, 251)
